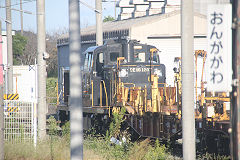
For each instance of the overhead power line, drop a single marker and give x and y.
(5, 20)
(14, 9)
(22, 3)
(90, 7)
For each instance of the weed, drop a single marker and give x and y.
(139, 150)
(209, 156)
(115, 125)
(27, 150)
(66, 132)
(157, 152)
(51, 90)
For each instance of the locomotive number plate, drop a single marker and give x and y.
(139, 69)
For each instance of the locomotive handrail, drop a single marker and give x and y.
(100, 94)
(129, 84)
(92, 91)
(104, 85)
(165, 84)
(105, 90)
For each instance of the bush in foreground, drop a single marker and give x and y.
(57, 146)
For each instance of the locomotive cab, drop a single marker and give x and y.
(142, 64)
(98, 61)
(100, 69)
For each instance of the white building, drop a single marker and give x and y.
(162, 30)
(24, 77)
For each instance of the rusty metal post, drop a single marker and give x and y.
(235, 112)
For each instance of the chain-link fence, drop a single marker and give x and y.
(20, 121)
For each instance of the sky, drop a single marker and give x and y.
(56, 14)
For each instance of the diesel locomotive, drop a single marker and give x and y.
(126, 73)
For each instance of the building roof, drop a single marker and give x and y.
(127, 24)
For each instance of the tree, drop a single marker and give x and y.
(19, 44)
(52, 62)
(30, 53)
(25, 49)
(108, 18)
(51, 48)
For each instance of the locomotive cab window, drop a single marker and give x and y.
(85, 62)
(88, 61)
(114, 56)
(99, 63)
(155, 57)
(139, 57)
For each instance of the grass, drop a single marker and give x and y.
(130, 151)
(57, 147)
(95, 148)
(61, 151)
(27, 151)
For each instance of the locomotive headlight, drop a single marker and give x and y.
(123, 73)
(158, 72)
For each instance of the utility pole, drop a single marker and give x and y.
(9, 47)
(188, 119)
(99, 32)
(235, 112)
(41, 65)
(21, 17)
(76, 113)
(115, 10)
(1, 100)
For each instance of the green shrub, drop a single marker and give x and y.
(105, 149)
(139, 150)
(51, 90)
(115, 125)
(157, 152)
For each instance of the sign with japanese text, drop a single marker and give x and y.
(219, 54)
